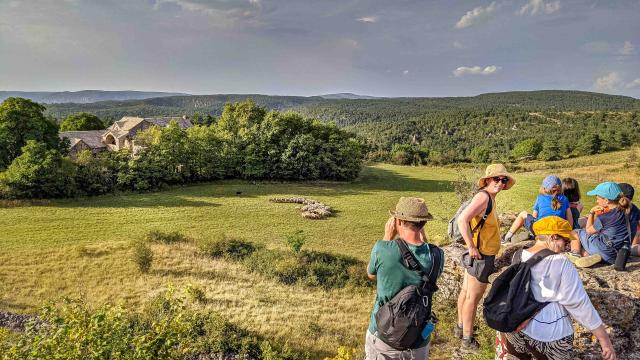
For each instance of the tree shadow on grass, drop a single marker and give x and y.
(372, 179)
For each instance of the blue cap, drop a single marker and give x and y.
(550, 181)
(608, 190)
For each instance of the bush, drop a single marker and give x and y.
(227, 247)
(195, 293)
(143, 256)
(158, 236)
(296, 240)
(344, 353)
(164, 329)
(81, 122)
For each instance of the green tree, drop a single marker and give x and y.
(529, 148)
(22, 120)
(39, 172)
(550, 151)
(588, 144)
(481, 154)
(81, 122)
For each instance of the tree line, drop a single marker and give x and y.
(245, 142)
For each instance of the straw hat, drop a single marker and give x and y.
(411, 209)
(496, 170)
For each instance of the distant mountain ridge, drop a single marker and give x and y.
(84, 96)
(350, 96)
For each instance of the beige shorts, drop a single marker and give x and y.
(376, 349)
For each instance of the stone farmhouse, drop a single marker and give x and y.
(120, 135)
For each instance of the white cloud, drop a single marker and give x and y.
(627, 48)
(368, 19)
(634, 84)
(534, 7)
(613, 82)
(216, 7)
(458, 45)
(476, 16)
(405, 72)
(475, 70)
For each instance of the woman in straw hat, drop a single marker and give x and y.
(554, 280)
(482, 247)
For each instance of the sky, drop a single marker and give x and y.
(309, 47)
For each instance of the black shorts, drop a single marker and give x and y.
(479, 269)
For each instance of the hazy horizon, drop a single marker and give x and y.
(407, 48)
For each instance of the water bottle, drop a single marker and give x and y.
(622, 257)
(428, 329)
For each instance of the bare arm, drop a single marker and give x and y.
(534, 213)
(477, 206)
(590, 219)
(570, 217)
(608, 353)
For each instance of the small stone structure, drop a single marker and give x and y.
(311, 209)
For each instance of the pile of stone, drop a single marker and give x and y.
(16, 322)
(311, 209)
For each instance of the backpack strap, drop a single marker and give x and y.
(626, 217)
(537, 257)
(480, 223)
(411, 263)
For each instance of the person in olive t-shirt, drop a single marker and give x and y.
(391, 275)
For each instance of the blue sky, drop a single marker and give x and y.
(310, 47)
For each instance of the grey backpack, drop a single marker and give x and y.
(452, 228)
(401, 320)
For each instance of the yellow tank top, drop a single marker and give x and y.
(489, 234)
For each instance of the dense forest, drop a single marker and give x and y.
(354, 111)
(548, 125)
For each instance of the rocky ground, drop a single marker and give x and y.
(616, 296)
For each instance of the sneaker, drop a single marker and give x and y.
(457, 331)
(469, 343)
(573, 257)
(588, 261)
(504, 240)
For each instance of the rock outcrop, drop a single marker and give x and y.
(616, 296)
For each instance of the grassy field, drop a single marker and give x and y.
(81, 248)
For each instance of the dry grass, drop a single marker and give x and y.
(82, 248)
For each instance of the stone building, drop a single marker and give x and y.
(120, 135)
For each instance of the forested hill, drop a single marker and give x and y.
(354, 111)
(83, 96)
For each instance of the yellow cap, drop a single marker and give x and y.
(552, 225)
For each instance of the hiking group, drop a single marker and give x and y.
(530, 302)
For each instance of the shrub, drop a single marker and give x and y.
(195, 293)
(226, 247)
(142, 256)
(480, 154)
(164, 329)
(158, 236)
(296, 240)
(344, 353)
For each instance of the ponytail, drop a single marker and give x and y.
(555, 203)
(624, 204)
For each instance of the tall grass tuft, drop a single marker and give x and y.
(143, 256)
(223, 246)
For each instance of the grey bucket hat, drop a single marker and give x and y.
(411, 209)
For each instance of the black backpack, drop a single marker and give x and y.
(402, 319)
(510, 301)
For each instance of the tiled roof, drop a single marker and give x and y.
(93, 138)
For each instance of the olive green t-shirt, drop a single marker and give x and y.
(391, 275)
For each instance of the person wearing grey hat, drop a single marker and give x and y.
(387, 268)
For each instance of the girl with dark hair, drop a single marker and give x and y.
(571, 190)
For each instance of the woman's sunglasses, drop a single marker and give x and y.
(503, 180)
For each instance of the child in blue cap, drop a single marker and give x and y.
(550, 202)
(609, 227)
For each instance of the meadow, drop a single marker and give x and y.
(81, 248)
